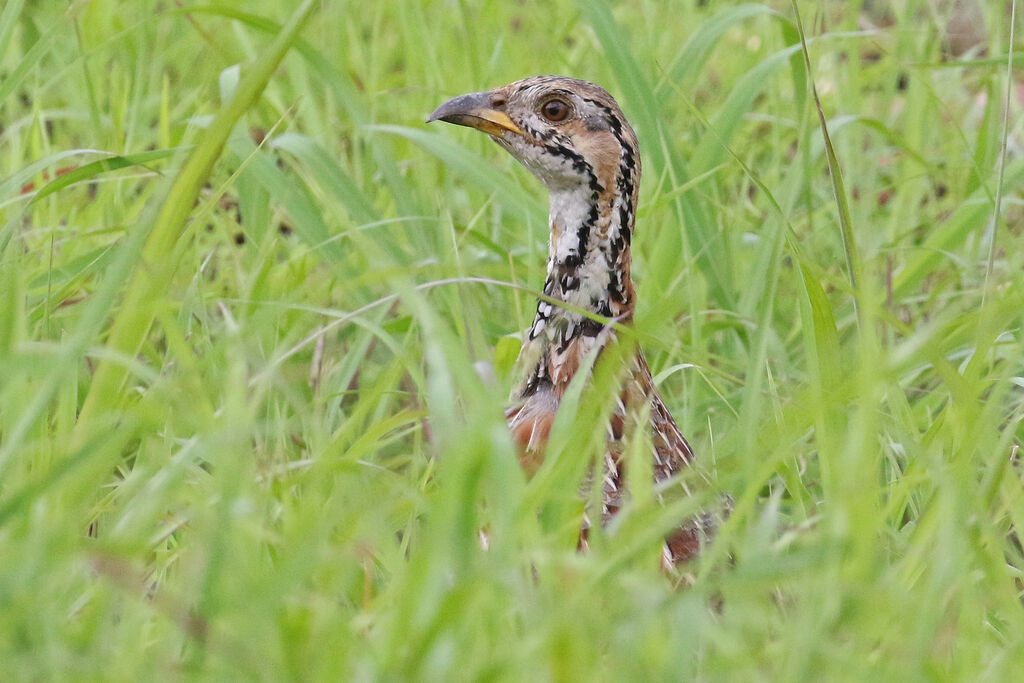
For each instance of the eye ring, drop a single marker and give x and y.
(555, 110)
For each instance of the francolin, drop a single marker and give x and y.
(573, 137)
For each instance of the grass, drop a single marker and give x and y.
(245, 291)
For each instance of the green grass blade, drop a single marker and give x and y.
(698, 47)
(834, 170)
(291, 193)
(31, 58)
(135, 318)
(8, 19)
(481, 173)
(641, 106)
(325, 169)
(993, 232)
(968, 218)
(95, 168)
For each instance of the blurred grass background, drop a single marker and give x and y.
(242, 434)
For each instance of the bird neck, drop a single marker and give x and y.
(588, 260)
(588, 269)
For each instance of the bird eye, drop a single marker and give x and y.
(554, 110)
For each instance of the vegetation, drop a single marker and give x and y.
(250, 302)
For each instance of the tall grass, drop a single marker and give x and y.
(245, 294)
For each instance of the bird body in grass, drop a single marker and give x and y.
(573, 137)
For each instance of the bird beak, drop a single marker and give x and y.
(475, 110)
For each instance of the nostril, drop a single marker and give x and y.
(497, 100)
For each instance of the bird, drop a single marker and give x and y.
(572, 135)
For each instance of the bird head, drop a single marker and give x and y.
(569, 133)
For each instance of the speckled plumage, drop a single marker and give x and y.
(573, 137)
